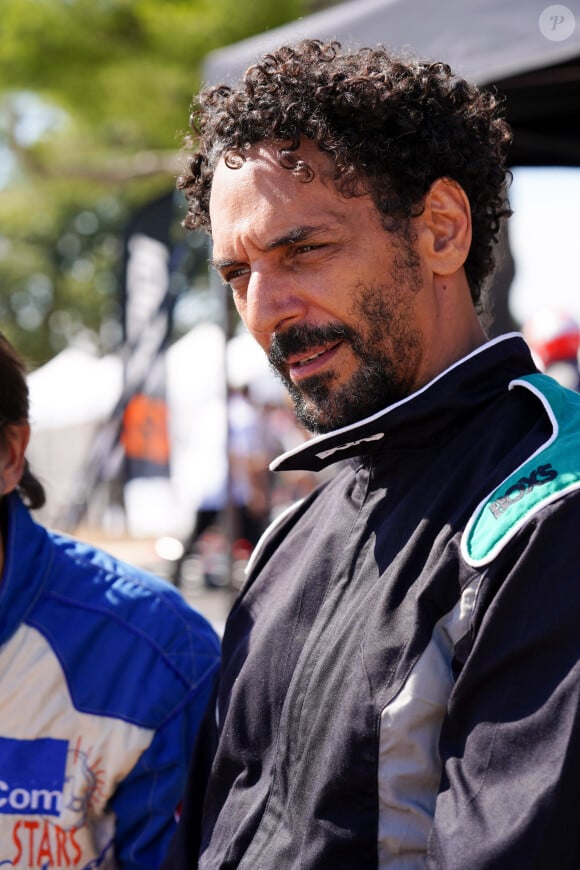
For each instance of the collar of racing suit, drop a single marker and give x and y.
(442, 402)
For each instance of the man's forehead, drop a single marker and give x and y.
(257, 159)
(276, 156)
(240, 184)
(257, 179)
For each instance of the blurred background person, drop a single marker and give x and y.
(105, 674)
(236, 503)
(554, 337)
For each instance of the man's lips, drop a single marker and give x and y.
(312, 361)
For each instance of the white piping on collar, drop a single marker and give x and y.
(320, 439)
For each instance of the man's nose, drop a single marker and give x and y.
(274, 299)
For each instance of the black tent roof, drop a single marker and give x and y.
(528, 49)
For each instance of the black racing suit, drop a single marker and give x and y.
(400, 681)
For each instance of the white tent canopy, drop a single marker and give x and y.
(75, 393)
(74, 388)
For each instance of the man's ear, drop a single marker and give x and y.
(16, 437)
(446, 225)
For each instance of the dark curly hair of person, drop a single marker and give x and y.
(14, 406)
(391, 126)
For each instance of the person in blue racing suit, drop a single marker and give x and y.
(105, 674)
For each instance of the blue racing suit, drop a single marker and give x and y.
(105, 673)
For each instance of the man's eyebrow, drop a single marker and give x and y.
(298, 234)
(292, 237)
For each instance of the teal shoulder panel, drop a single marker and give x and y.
(550, 472)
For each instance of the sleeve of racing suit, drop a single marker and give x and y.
(186, 842)
(510, 743)
(155, 788)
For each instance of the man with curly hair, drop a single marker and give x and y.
(400, 681)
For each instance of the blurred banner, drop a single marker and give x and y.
(148, 304)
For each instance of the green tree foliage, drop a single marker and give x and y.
(94, 98)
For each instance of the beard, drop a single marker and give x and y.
(385, 343)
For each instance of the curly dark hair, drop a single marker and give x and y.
(391, 126)
(14, 411)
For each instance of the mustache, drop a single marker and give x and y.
(299, 339)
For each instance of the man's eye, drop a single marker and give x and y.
(298, 250)
(232, 274)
